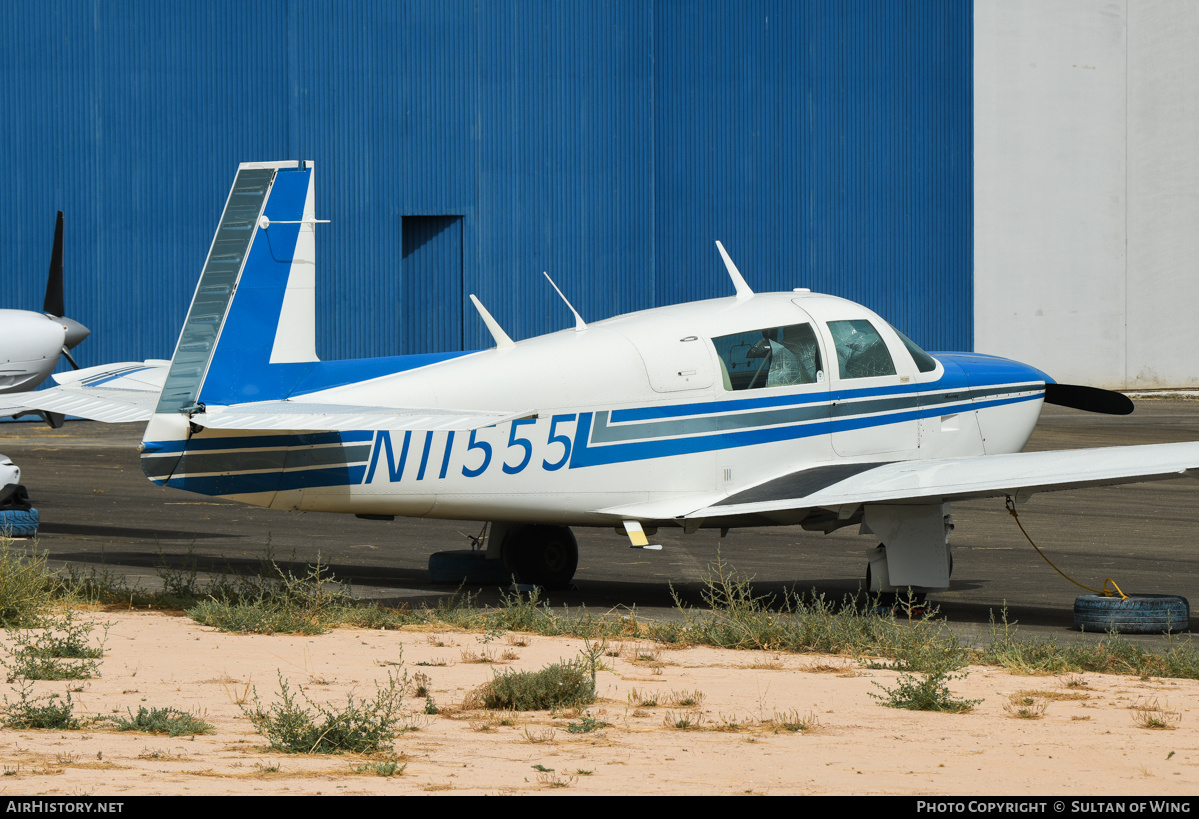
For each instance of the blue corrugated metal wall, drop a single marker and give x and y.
(827, 143)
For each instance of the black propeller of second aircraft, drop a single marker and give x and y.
(54, 303)
(1088, 399)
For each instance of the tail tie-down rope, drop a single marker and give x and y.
(1105, 591)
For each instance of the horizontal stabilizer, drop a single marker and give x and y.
(112, 393)
(1020, 474)
(295, 415)
(112, 406)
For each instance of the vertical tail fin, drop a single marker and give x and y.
(253, 310)
(250, 330)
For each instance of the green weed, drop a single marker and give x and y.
(926, 691)
(363, 726)
(586, 725)
(60, 650)
(1155, 717)
(386, 768)
(559, 685)
(276, 601)
(793, 721)
(26, 586)
(50, 711)
(169, 721)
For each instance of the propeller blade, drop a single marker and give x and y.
(54, 301)
(66, 351)
(1088, 399)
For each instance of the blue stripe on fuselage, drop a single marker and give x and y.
(585, 453)
(270, 481)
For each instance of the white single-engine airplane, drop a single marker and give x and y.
(757, 409)
(30, 343)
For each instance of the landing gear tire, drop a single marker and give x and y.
(545, 556)
(18, 522)
(1138, 614)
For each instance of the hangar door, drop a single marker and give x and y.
(431, 291)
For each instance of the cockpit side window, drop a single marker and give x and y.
(925, 363)
(861, 351)
(771, 357)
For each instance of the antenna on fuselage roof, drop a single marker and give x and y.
(502, 341)
(579, 323)
(743, 291)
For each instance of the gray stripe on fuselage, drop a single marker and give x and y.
(604, 432)
(268, 459)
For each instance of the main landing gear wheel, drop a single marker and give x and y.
(545, 556)
(1138, 614)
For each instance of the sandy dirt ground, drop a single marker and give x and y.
(1089, 738)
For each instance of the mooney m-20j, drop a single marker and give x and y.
(756, 409)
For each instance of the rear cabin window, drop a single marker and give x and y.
(861, 351)
(771, 357)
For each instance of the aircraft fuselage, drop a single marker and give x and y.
(631, 412)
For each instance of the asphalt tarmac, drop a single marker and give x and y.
(99, 512)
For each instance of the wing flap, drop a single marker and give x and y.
(949, 479)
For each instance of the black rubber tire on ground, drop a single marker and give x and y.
(18, 522)
(466, 566)
(1138, 614)
(545, 556)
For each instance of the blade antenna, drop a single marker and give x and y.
(743, 291)
(53, 305)
(502, 341)
(580, 325)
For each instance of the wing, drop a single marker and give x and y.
(843, 487)
(1020, 474)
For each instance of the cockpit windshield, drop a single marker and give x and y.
(925, 363)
